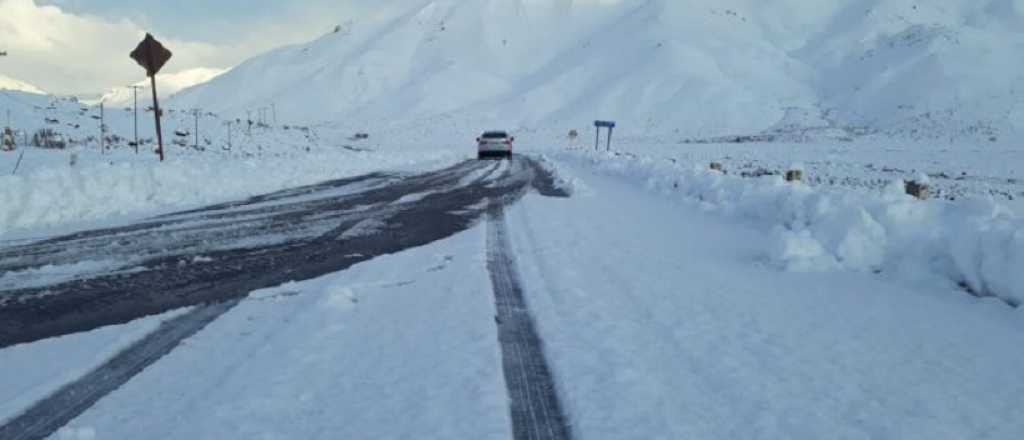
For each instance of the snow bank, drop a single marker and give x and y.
(976, 243)
(54, 195)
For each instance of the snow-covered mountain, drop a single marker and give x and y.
(945, 68)
(8, 83)
(167, 84)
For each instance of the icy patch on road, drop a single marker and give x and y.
(53, 274)
(479, 174)
(975, 242)
(413, 198)
(364, 228)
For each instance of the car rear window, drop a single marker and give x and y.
(495, 135)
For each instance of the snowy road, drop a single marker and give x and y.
(213, 257)
(96, 278)
(536, 411)
(618, 313)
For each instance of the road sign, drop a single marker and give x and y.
(610, 125)
(151, 55)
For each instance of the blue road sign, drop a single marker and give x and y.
(608, 124)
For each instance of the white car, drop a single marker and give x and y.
(494, 144)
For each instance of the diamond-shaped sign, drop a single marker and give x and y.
(151, 55)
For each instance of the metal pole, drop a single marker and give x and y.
(229, 135)
(196, 113)
(17, 165)
(274, 108)
(597, 139)
(610, 130)
(135, 98)
(103, 132)
(156, 114)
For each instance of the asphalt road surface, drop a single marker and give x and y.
(212, 257)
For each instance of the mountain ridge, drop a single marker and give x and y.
(694, 66)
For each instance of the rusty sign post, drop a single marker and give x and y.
(152, 56)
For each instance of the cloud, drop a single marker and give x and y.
(66, 49)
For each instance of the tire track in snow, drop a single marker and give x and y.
(535, 408)
(47, 416)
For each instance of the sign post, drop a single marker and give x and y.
(152, 56)
(610, 125)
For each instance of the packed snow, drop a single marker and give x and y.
(400, 347)
(31, 372)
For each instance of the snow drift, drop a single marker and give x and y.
(977, 244)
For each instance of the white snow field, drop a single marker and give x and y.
(665, 321)
(661, 319)
(403, 346)
(673, 301)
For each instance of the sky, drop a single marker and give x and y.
(81, 47)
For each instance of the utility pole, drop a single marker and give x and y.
(195, 112)
(4, 54)
(248, 119)
(103, 131)
(135, 97)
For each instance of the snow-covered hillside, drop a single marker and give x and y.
(168, 84)
(8, 83)
(935, 70)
